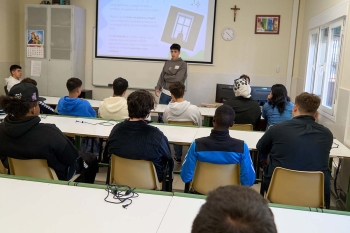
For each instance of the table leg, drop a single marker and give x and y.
(78, 142)
(347, 205)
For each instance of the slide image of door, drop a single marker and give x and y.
(182, 27)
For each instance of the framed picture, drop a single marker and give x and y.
(267, 24)
(35, 37)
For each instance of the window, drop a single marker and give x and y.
(182, 27)
(323, 64)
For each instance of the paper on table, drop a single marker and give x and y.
(35, 69)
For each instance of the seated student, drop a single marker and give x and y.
(298, 144)
(15, 78)
(245, 77)
(115, 107)
(234, 208)
(23, 137)
(71, 104)
(136, 139)
(247, 110)
(44, 108)
(180, 110)
(278, 107)
(220, 148)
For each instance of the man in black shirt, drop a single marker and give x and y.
(247, 110)
(298, 144)
(136, 139)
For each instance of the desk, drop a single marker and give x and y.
(206, 112)
(175, 134)
(30, 207)
(184, 210)
(50, 100)
(250, 137)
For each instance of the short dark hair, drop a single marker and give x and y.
(119, 86)
(29, 80)
(140, 104)
(14, 68)
(15, 107)
(224, 116)
(244, 76)
(234, 209)
(73, 83)
(177, 89)
(175, 47)
(308, 103)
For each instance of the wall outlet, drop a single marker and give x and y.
(277, 69)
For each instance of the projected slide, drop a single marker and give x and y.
(145, 29)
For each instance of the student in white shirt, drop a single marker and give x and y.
(180, 110)
(115, 107)
(15, 78)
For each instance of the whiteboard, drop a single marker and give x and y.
(140, 74)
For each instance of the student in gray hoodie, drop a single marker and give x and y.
(180, 110)
(174, 70)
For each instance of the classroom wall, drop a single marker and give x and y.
(9, 50)
(255, 55)
(309, 9)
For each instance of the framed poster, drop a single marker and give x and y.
(35, 37)
(267, 24)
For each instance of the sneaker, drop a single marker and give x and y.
(178, 160)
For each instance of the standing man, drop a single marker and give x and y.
(174, 70)
(15, 78)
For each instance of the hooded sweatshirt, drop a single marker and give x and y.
(173, 71)
(10, 82)
(75, 107)
(28, 139)
(115, 108)
(182, 111)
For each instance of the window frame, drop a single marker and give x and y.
(325, 110)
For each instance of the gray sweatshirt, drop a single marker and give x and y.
(173, 71)
(182, 111)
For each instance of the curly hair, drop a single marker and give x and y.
(140, 104)
(279, 97)
(16, 107)
(308, 103)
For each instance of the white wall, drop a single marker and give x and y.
(9, 50)
(255, 55)
(309, 9)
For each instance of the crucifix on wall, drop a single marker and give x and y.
(235, 9)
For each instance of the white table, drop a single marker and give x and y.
(250, 137)
(184, 210)
(34, 207)
(50, 100)
(175, 134)
(208, 112)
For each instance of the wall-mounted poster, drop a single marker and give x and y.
(35, 37)
(267, 24)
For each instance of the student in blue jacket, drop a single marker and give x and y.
(72, 105)
(220, 148)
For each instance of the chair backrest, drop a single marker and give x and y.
(209, 176)
(181, 122)
(297, 188)
(6, 91)
(244, 127)
(3, 170)
(36, 168)
(139, 174)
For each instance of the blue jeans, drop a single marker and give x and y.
(165, 99)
